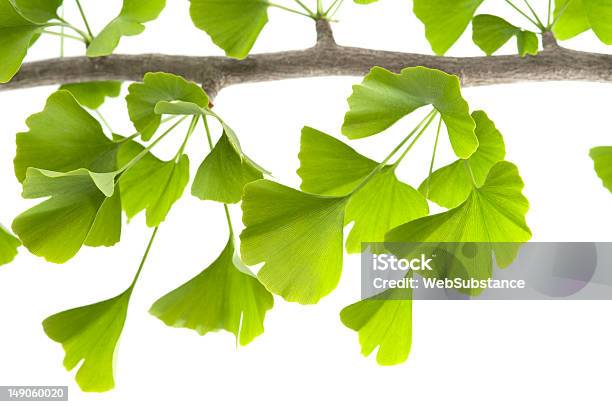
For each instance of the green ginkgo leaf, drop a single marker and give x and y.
(490, 33)
(129, 22)
(383, 324)
(8, 246)
(223, 174)
(21, 21)
(224, 296)
(602, 157)
(577, 16)
(233, 25)
(159, 87)
(493, 213)
(64, 137)
(90, 334)
(445, 20)
(93, 94)
(451, 185)
(330, 167)
(297, 235)
(82, 208)
(384, 97)
(151, 184)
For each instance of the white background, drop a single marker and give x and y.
(463, 353)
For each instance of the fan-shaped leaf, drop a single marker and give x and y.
(90, 334)
(8, 246)
(382, 323)
(129, 22)
(577, 16)
(83, 208)
(224, 296)
(451, 185)
(494, 212)
(159, 87)
(64, 137)
(223, 174)
(21, 21)
(93, 94)
(490, 33)
(445, 20)
(602, 156)
(233, 25)
(151, 184)
(384, 97)
(330, 167)
(297, 235)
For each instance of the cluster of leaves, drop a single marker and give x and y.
(22, 22)
(87, 180)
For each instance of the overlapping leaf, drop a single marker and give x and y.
(493, 213)
(383, 324)
(66, 158)
(224, 296)
(297, 235)
(233, 25)
(330, 167)
(150, 185)
(93, 94)
(21, 22)
(445, 20)
(451, 185)
(490, 33)
(82, 208)
(602, 157)
(160, 87)
(577, 16)
(90, 334)
(129, 22)
(383, 98)
(223, 174)
(64, 137)
(8, 246)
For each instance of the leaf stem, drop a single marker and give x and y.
(144, 258)
(66, 24)
(433, 158)
(63, 35)
(418, 136)
(78, 2)
(561, 11)
(192, 126)
(103, 120)
(305, 8)
(521, 12)
(289, 9)
(144, 152)
(382, 165)
(549, 16)
(225, 206)
(133, 136)
(337, 4)
(469, 170)
(540, 23)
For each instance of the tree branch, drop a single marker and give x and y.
(326, 58)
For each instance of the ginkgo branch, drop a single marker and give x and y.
(325, 59)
